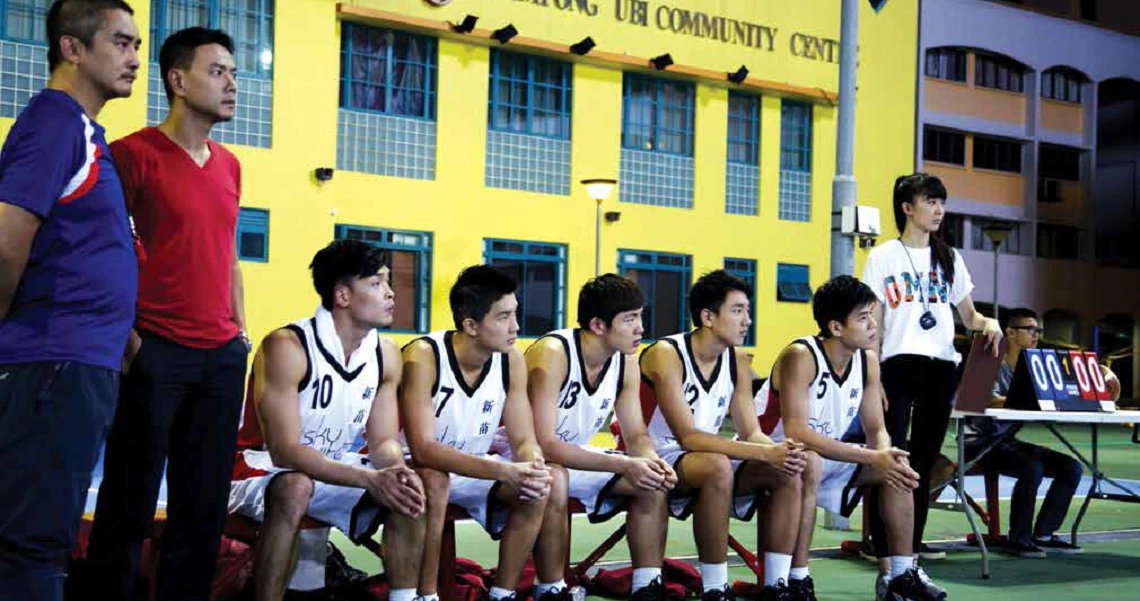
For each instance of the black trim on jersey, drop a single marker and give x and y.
(834, 375)
(300, 332)
(346, 375)
(590, 390)
(506, 373)
(566, 348)
(621, 377)
(705, 384)
(863, 361)
(459, 378)
(379, 362)
(732, 368)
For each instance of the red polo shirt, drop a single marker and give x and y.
(185, 216)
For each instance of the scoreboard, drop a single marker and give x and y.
(1050, 380)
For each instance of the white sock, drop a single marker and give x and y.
(542, 588)
(500, 593)
(431, 597)
(643, 576)
(714, 576)
(899, 564)
(798, 573)
(776, 568)
(402, 594)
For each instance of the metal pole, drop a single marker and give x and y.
(843, 185)
(996, 263)
(598, 239)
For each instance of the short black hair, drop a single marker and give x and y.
(710, 292)
(178, 50)
(836, 299)
(1009, 317)
(79, 19)
(343, 260)
(477, 288)
(605, 297)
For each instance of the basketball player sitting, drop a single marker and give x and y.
(321, 387)
(819, 387)
(576, 378)
(692, 380)
(458, 386)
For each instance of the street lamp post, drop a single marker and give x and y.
(599, 190)
(997, 233)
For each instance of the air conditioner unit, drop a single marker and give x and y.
(1048, 190)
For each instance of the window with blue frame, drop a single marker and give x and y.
(529, 95)
(745, 269)
(252, 237)
(664, 279)
(539, 269)
(387, 71)
(743, 128)
(792, 283)
(250, 23)
(657, 115)
(742, 171)
(23, 49)
(795, 161)
(24, 20)
(410, 273)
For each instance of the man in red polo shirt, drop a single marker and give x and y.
(182, 388)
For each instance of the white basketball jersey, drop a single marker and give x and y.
(834, 398)
(583, 409)
(334, 398)
(708, 400)
(466, 418)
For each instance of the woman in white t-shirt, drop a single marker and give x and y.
(918, 278)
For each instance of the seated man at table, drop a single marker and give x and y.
(1028, 463)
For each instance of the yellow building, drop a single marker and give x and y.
(457, 147)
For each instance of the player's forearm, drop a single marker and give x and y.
(443, 458)
(703, 442)
(830, 448)
(10, 271)
(313, 464)
(573, 456)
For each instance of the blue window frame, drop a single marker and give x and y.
(743, 128)
(792, 283)
(795, 136)
(745, 269)
(23, 20)
(657, 115)
(529, 95)
(249, 23)
(252, 236)
(539, 268)
(410, 273)
(387, 71)
(664, 279)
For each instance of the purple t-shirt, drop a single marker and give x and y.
(76, 298)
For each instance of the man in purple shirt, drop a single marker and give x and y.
(68, 280)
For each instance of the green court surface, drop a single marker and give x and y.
(1109, 569)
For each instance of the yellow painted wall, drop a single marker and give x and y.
(1058, 115)
(461, 212)
(957, 98)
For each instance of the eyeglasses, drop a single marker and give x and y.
(1029, 329)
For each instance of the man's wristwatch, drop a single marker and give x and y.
(245, 339)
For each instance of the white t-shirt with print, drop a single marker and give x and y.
(896, 282)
